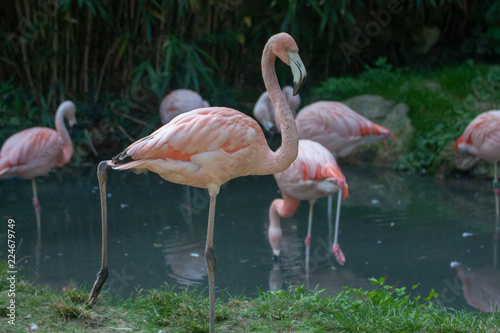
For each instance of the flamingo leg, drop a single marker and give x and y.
(330, 220)
(307, 241)
(339, 255)
(38, 209)
(496, 190)
(210, 256)
(102, 275)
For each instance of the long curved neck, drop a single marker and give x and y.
(287, 152)
(63, 132)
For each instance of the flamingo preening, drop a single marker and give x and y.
(482, 138)
(35, 151)
(313, 175)
(209, 146)
(179, 101)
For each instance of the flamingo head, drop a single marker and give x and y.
(339, 255)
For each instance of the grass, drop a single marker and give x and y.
(167, 309)
(441, 102)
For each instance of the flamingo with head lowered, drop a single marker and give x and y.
(482, 138)
(209, 146)
(313, 175)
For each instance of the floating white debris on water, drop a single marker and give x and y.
(392, 224)
(166, 228)
(467, 234)
(123, 205)
(455, 264)
(399, 202)
(375, 202)
(379, 242)
(145, 224)
(109, 195)
(196, 255)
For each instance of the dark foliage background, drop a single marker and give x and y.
(116, 59)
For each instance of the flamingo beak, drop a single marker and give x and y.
(298, 70)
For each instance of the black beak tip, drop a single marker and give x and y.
(277, 258)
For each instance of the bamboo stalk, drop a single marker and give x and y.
(86, 54)
(101, 76)
(23, 50)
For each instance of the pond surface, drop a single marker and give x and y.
(406, 229)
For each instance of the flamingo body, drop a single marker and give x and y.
(482, 137)
(201, 147)
(337, 127)
(179, 101)
(313, 175)
(265, 113)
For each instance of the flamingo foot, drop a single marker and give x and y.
(339, 255)
(307, 241)
(102, 276)
(36, 204)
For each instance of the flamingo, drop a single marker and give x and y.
(209, 146)
(339, 129)
(176, 102)
(35, 151)
(179, 101)
(313, 175)
(265, 113)
(482, 138)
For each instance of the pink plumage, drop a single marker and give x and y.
(482, 137)
(179, 101)
(313, 175)
(338, 127)
(35, 151)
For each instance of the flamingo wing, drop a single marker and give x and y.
(32, 152)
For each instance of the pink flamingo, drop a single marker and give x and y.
(482, 138)
(35, 151)
(338, 128)
(180, 101)
(313, 175)
(265, 113)
(207, 147)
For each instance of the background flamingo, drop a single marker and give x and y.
(338, 128)
(265, 113)
(313, 175)
(33, 152)
(208, 147)
(482, 138)
(180, 101)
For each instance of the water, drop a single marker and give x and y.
(406, 229)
